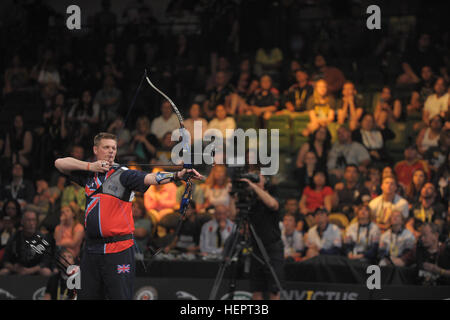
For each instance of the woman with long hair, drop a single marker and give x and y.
(217, 187)
(419, 178)
(69, 233)
(321, 106)
(19, 143)
(373, 139)
(144, 144)
(319, 143)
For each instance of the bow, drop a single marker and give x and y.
(186, 150)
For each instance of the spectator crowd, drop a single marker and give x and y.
(369, 165)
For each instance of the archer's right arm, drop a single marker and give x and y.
(67, 165)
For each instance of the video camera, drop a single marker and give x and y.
(245, 195)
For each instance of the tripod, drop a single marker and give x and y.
(236, 246)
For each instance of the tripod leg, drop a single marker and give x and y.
(228, 256)
(266, 259)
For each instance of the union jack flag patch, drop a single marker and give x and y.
(123, 268)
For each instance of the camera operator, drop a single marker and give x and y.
(264, 216)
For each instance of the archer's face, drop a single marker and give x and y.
(106, 150)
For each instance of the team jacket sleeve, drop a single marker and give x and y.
(134, 180)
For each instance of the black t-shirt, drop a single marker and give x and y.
(57, 288)
(431, 214)
(348, 197)
(298, 96)
(265, 98)
(266, 223)
(441, 258)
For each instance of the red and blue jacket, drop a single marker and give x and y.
(108, 206)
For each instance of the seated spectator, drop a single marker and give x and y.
(349, 107)
(194, 113)
(56, 133)
(19, 143)
(69, 233)
(9, 222)
(436, 156)
(443, 178)
(429, 137)
(166, 122)
(316, 195)
(160, 200)
(302, 223)
(46, 70)
(189, 237)
(373, 181)
(292, 239)
(19, 257)
(321, 108)
(362, 238)
(396, 242)
(421, 91)
(350, 193)
(404, 169)
(436, 103)
(221, 122)
(12, 209)
(419, 178)
(142, 225)
(117, 127)
(16, 76)
(56, 288)
(323, 238)
(109, 98)
(381, 207)
(219, 95)
(84, 117)
(299, 93)
(374, 139)
(216, 188)
(431, 257)
(215, 232)
(266, 99)
(388, 106)
(319, 143)
(18, 188)
(41, 200)
(304, 175)
(144, 143)
(219, 64)
(75, 197)
(246, 84)
(163, 154)
(415, 58)
(344, 152)
(332, 75)
(426, 210)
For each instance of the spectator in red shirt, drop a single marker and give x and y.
(405, 168)
(317, 195)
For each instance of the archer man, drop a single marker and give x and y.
(107, 261)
